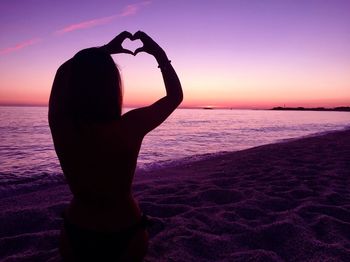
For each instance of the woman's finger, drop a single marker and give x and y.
(126, 51)
(125, 34)
(139, 35)
(138, 50)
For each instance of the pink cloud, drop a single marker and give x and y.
(19, 46)
(86, 24)
(128, 10)
(133, 8)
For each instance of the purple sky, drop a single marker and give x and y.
(227, 53)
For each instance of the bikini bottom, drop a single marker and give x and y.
(89, 245)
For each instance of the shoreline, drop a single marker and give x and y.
(172, 163)
(19, 185)
(285, 201)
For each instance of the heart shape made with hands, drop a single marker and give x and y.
(131, 44)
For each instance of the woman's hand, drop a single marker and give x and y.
(115, 46)
(149, 46)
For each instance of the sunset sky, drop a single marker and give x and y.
(227, 53)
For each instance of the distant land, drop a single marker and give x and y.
(340, 108)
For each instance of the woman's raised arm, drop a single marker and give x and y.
(171, 80)
(148, 118)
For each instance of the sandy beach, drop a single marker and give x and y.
(288, 201)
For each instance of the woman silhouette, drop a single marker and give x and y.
(98, 147)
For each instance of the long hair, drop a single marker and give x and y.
(87, 88)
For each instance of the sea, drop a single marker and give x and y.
(28, 158)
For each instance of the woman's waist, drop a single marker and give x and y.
(104, 214)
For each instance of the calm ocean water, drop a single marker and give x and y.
(26, 149)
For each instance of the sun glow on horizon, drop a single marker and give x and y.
(232, 55)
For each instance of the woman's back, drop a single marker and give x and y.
(99, 159)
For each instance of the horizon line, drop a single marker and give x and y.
(180, 107)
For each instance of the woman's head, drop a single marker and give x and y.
(96, 86)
